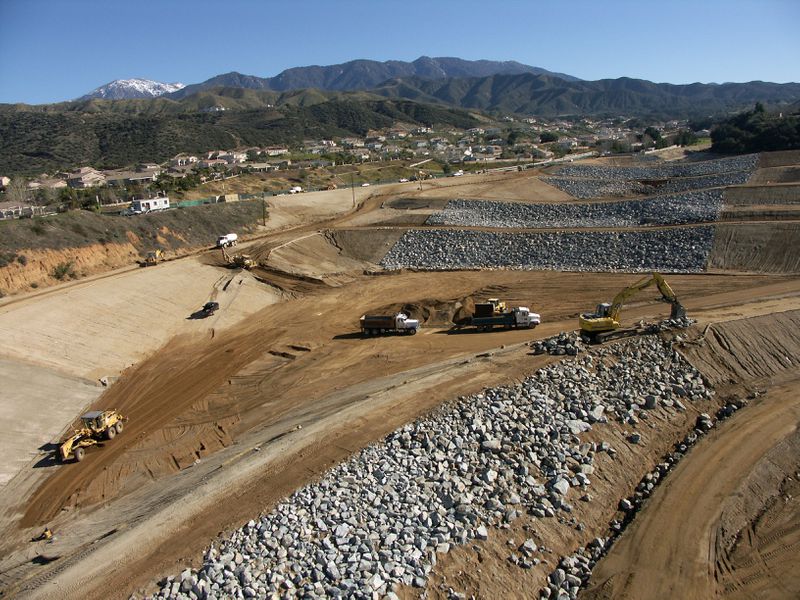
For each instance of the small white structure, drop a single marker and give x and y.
(149, 204)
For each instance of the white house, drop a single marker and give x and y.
(149, 204)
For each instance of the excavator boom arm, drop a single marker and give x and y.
(653, 278)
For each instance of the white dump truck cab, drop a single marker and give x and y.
(525, 318)
(402, 322)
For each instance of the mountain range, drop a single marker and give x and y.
(506, 87)
(367, 74)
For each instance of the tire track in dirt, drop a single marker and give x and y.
(151, 396)
(670, 550)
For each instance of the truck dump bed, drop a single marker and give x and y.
(484, 309)
(378, 321)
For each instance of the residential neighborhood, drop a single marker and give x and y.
(508, 141)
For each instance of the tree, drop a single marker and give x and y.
(685, 138)
(513, 136)
(548, 136)
(653, 133)
(17, 191)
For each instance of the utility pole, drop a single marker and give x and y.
(353, 188)
(263, 210)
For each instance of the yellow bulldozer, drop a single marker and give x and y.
(153, 258)
(603, 324)
(98, 425)
(499, 306)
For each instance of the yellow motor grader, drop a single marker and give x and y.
(98, 425)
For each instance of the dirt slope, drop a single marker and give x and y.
(685, 538)
(671, 548)
(756, 247)
(748, 350)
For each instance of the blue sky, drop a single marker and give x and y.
(53, 50)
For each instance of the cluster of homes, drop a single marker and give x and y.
(534, 139)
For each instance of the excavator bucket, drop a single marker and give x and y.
(678, 311)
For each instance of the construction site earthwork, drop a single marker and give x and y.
(247, 435)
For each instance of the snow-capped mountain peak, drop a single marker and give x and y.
(121, 89)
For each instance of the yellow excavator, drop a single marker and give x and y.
(238, 261)
(604, 323)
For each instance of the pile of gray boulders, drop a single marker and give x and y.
(565, 343)
(675, 209)
(678, 250)
(382, 518)
(596, 181)
(598, 188)
(584, 188)
(573, 572)
(668, 324)
(667, 170)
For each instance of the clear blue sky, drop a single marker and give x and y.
(52, 50)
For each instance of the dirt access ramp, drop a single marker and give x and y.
(685, 543)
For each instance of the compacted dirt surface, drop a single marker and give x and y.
(228, 415)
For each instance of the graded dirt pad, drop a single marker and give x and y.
(366, 245)
(98, 328)
(775, 175)
(758, 535)
(524, 186)
(36, 404)
(748, 350)
(315, 254)
(778, 159)
(788, 193)
(672, 548)
(756, 247)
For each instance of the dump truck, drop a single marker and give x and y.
(603, 324)
(486, 317)
(382, 324)
(229, 239)
(98, 425)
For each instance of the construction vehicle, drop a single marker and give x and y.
(603, 324)
(494, 313)
(153, 258)
(499, 307)
(381, 324)
(229, 239)
(239, 261)
(209, 308)
(98, 425)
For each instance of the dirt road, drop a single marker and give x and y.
(671, 549)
